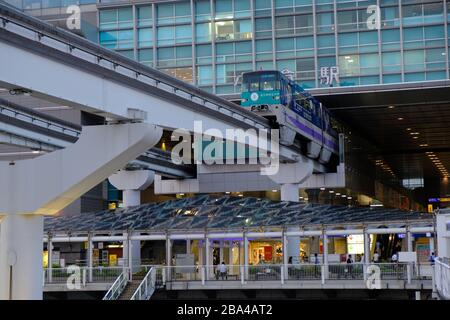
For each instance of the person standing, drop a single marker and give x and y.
(375, 257)
(223, 271)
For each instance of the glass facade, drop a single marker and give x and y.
(211, 42)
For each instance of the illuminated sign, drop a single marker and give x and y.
(439, 200)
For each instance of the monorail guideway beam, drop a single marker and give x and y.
(30, 189)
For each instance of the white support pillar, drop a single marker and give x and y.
(207, 257)
(289, 192)
(99, 152)
(230, 254)
(50, 258)
(366, 253)
(21, 257)
(245, 256)
(168, 258)
(409, 238)
(285, 257)
(131, 182)
(90, 256)
(325, 256)
(221, 250)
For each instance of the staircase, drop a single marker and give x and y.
(131, 287)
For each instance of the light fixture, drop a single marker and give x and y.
(322, 189)
(423, 145)
(338, 194)
(400, 118)
(331, 191)
(274, 190)
(391, 107)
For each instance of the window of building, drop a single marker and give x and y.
(243, 29)
(347, 20)
(349, 65)
(391, 62)
(412, 14)
(304, 46)
(414, 60)
(390, 39)
(412, 37)
(304, 24)
(242, 8)
(305, 68)
(170, 13)
(263, 27)
(326, 44)
(325, 22)
(435, 58)
(224, 30)
(204, 75)
(203, 32)
(202, 10)
(174, 56)
(117, 39)
(262, 7)
(284, 25)
(174, 35)
(121, 18)
(283, 6)
(145, 37)
(234, 51)
(224, 9)
(264, 49)
(204, 53)
(145, 56)
(183, 34)
(285, 48)
(144, 15)
(184, 74)
(228, 73)
(390, 17)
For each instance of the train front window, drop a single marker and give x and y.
(269, 82)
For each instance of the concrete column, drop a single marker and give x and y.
(289, 192)
(366, 253)
(325, 256)
(131, 182)
(207, 258)
(100, 151)
(245, 256)
(431, 241)
(221, 250)
(230, 252)
(188, 246)
(285, 257)
(168, 258)
(21, 238)
(90, 257)
(409, 238)
(131, 198)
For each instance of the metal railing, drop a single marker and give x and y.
(147, 286)
(118, 286)
(293, 272)
(84, 274)
(442, 278)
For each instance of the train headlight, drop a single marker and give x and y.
(244, 100)
(276, 97)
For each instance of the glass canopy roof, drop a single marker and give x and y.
(224, 212)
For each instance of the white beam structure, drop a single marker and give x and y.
(110, 85)
(24, 199)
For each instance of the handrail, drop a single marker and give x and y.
(442, 278)
(146, 287)
(118, 286)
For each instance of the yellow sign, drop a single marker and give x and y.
(113, 259)
(444, 199)
(112, 206)
(430, 208)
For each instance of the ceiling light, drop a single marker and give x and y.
(415, 137)
(423, 145)
(322, 189)
(331, 191)
(391, 107)
(274, 190)
(400, 118)
(408, 129)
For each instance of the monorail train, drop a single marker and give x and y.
(293, 110)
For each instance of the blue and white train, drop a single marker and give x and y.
(293, 110)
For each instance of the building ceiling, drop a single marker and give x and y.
(410, 127)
